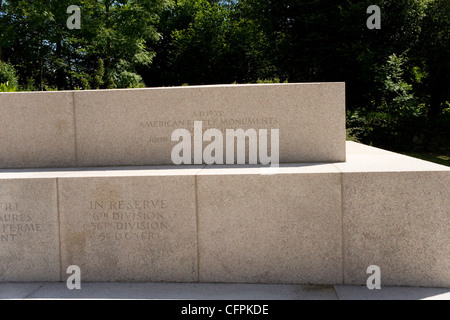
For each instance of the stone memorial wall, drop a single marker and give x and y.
(305, 222)
(134, 127)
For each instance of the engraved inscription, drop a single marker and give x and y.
(211, 123)
(211, 119)
(14, 223)
(128, 219)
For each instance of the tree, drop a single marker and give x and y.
(38, 42)
(207, 42)
(1, 30)
(434, 52)
(8, 74)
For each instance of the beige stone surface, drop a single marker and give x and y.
(100, 172)
(396, 216)
(362, 158)
(129, 228)
(37, 130)
(283, 228)
(29, 235)
(399, 221)
(134, 127)
(244, 224)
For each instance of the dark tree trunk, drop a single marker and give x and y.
(436, 91)
(60, 83)
(1, 28)
(108, 83)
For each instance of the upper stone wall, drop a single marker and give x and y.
(134, 126)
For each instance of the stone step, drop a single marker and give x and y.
(299, 223)
(134, 127)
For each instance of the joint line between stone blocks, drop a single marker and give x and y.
(342, 228)
(197, 228)
(59, 231)
(75, 151)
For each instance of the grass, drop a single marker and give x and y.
(439, 159)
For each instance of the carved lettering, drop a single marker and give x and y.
(14, 224)
(21, 227)
(128, 205)
(132, 220)
(8, 206)
(7, 237)
(210, 123)
(210, 119)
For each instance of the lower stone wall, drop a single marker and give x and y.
(305, 224)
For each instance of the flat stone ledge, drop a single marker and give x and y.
(394, 214)
(184, 291)
(392, 293)
(214, 291)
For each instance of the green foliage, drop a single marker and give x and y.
(29, 86)
(273, 80)
(207, 42)
(6, 87)
(397, 121)
(8, 75)
(397, 98)
(99, 74)
(50, 88)
(397, 78)
(53, 55)
(128, 79)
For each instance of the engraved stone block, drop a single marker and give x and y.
(134, 127)
(130, 228)
(29, 235)
(37, 130)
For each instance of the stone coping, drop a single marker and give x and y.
(306, 223)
